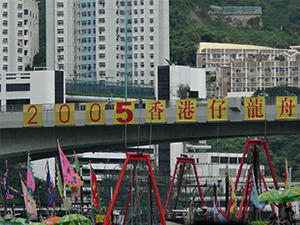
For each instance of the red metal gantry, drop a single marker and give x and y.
(255, 143)
(183, 160)
(136, 157)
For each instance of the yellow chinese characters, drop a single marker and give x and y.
(186, 110)
(286, 107)
(155, 111)
(217, 109)
(254, 108)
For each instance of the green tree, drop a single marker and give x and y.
(183, 91)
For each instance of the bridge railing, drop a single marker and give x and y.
(81, 106)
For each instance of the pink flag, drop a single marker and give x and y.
(30, 179)
(69, 175)
(29, 203)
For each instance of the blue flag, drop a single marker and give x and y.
(254, 195)
(219, 215)
(50, 188)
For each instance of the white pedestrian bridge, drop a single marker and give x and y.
(41, 141)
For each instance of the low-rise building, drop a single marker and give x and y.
(31, 87)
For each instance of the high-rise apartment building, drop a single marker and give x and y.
(95, 39)
(19, 34)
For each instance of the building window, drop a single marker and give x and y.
(233, 160)
(60, 22)
(102, 64)
(101, 47)
(60, 40)
(5, 23)
(5, 40)
(142, 73)
(214, 159)
(151, 29)
(151, 47)
(224, 160)
(5, 49)
(151, 11)
(20, 16)
(151, 55)
(142, 29)
(4, 5)
(60, 13)
(151, 38)
(17, 87)
(142, 47)
(25, 11)
(60, 5)
(142, 11)
(60, 31)
(5, 14)
(142, 82)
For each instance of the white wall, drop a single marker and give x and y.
(194, 77)
(42, 86)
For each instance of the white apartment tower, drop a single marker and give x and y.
(19, 34)
(88, 39)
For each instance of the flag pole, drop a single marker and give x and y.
(91, 184)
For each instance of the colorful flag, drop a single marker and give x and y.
(254, 195)
(219, 216)
(233, 194)
(30, 177)
(287, 179)
(29, 203)
(69, 175)
(94, 190)
(51, 188)
(7, 194)
(66, 203)
(75, 191)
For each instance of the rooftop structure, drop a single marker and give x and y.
(238, 15)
